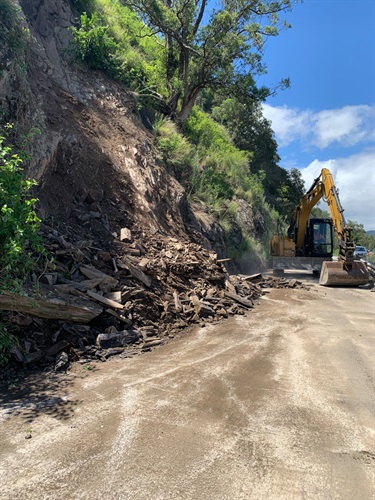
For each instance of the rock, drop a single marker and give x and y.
(125, 235)
(119, 339)
(17, 354)
(62, 361)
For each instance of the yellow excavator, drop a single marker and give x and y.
(309, 241)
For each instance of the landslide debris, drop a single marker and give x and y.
(123, 299)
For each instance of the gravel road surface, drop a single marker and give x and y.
(278, 404)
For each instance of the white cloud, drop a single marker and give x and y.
(354, 176)
(347, 126)
(287, 123)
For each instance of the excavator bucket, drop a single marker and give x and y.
(334, 274)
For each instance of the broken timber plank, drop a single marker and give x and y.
(177, 302)
(229, 286)
(254, 278)
(137, 273)
(93, 273)
(201, 309)
(239, 299)
(67, 308)
(104, 300)
(82, 285)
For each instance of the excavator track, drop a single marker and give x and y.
(334, 274)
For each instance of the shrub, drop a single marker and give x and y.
(19, 223)
(111, 42)
(213, 185)
(95, 46)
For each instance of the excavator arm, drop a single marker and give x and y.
(344, 233)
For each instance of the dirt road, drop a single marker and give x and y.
(276, 405)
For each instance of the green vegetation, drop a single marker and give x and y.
(112, 39)
(172, 52)
(210, 45)
(19, 224)
(204, 159)
(361, 237)
(176, 150)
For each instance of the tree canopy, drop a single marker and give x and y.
(211, 45)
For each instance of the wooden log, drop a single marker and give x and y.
(239, 299)
(52, 307)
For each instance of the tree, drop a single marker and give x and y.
(360, 236)
(252, 132)
(215, 49)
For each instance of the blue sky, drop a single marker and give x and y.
(327, 117)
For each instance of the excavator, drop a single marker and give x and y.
(309, 241)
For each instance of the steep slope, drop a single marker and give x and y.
(92, 153)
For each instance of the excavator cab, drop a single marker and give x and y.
(320, 238)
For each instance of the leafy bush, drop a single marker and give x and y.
(211, 184)
(95, 46)
(19, 223)
(109, 40)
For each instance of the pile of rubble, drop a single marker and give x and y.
(91, 304)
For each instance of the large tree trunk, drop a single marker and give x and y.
(52, 307)
(188, 105)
